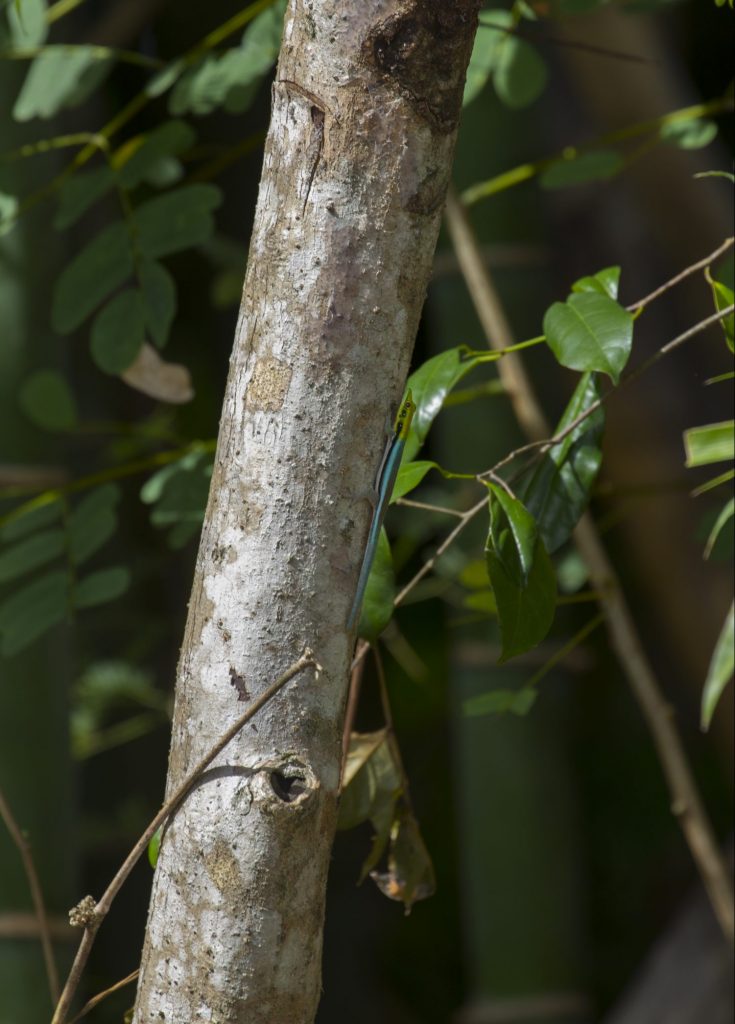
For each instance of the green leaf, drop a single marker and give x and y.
(689, 134)
(377, 605)
(515, 702)
(102, 586)
(27, 24)
(30, 612)
(154, 847)
(371, 778)
(728, 175)
(47, 401)
(430, 385)
(582, 168)
(409, 477)
(712, 443)
(605, 282)
(32, 519)
(723, 297)
(28, 554)
(118, 332)
(231, 79)
(58, 78)
(96, 271)
(717, 481)
(93, 522)
(726, 514)
(139, 158)
(80, 192)
(8, 210)
(590, 331)
(176, 220)
(520, 74)
(513, 534)
(525, 613)
(484, 59)
(159, 298)
(720, 668)
(180, 495)
(559, 489)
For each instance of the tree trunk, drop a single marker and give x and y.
(357, 161)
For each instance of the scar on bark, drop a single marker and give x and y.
(315, 149)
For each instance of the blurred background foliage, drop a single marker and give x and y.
(559, 866)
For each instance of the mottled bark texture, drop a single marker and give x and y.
(357, 161)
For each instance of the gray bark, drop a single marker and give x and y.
(357, 161)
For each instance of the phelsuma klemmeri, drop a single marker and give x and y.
(386, 479)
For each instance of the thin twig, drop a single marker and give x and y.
(672, 282)
(353, 699)
(24, 849)
(101, 996)
(426, 507)
(101, 908)
(686, 802)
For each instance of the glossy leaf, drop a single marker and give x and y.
(525, 613)
(137, 160)
(118, 332)
(79, 192)
(93, 522)
(499, 702)
(606, 282)
(712, 443)
(47, 401)
(590, 331)
(28, 554)
(723, 297)
(97, 270)
(409, 477)
(30, 612)
(689, 134)
(720, 668)
(159, 299)
(513, 534)
(430, 385)
(176, 220)
(101, 587)
(726, 514)
(377, 605)
(582, 168)
(559, 489)
(59, 77)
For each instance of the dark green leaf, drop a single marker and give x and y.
(720, 668)
(96, 271)
(712, 443)
(118, 332)
(28, 613)
(100, 587)
(515, 702)
(430, 385)
(723, 297)
(581, 168)
(159, 297)
(377, 605)
(513, 534)
(726, 514)
(80, 192)
(137, 159)
(93, 522)
(46, 400)
(590, 331)
(28, 554)
(558, 491)
(176, 220)
(605, 282)
(525, 613)
(520, 73)
(689, 134)
(371, 778)
(32, 519)
(59, 77)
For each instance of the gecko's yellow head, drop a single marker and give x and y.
(404, 417)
